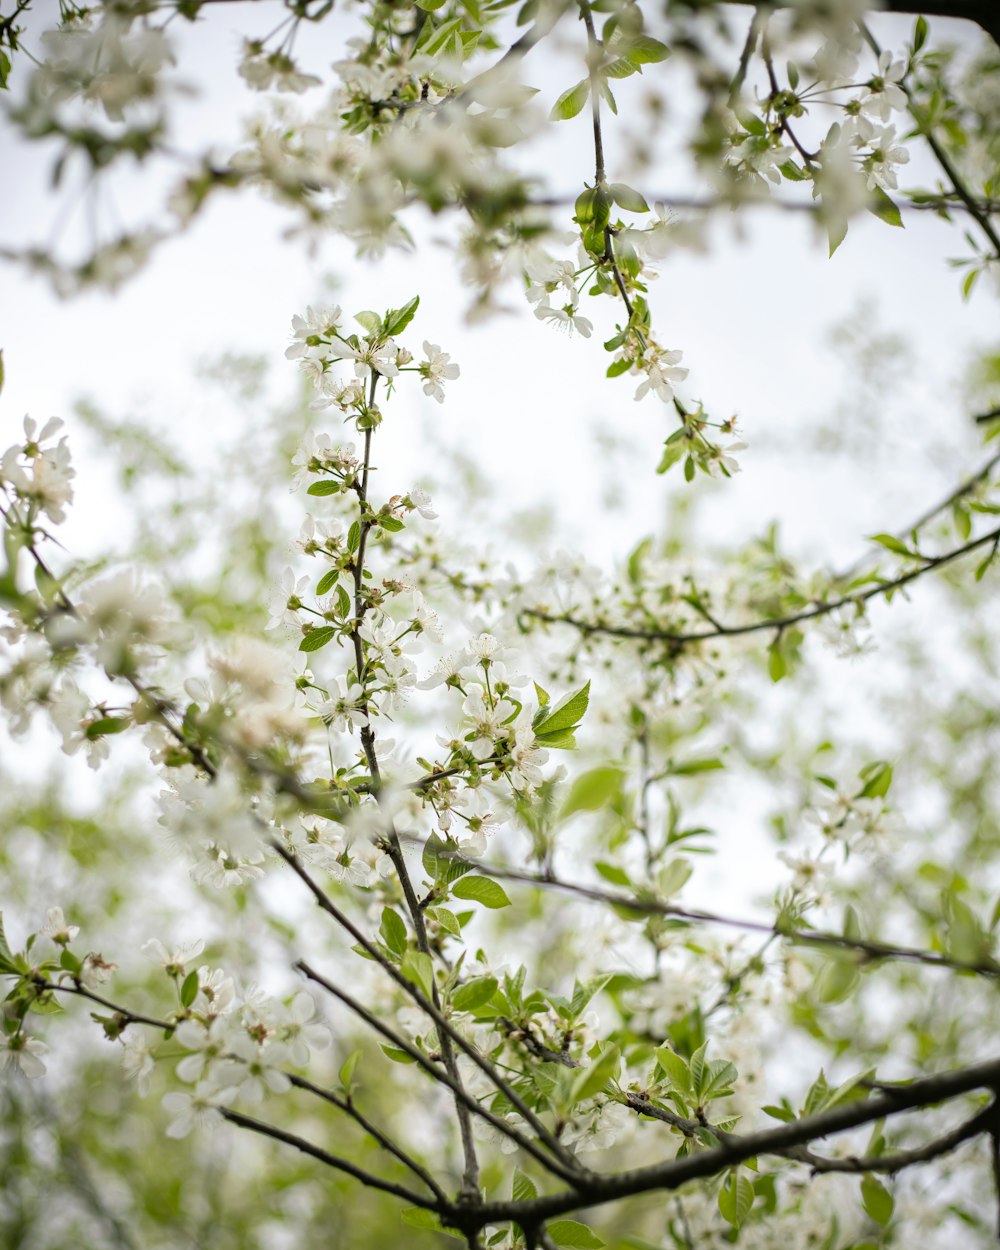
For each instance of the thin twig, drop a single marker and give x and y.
(681, 638)
(333, 1161)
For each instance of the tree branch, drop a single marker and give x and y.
(683, 638)
(332, 1161)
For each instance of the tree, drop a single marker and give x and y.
(437, 820)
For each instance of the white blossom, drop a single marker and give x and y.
(435, 370)
(20, 1053)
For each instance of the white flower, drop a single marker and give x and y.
(883, 92)
(286, 599)
(137, 1060)
(264, 70)
(435, 370)
(527, 759)
(447, 671)
(485, 648)
(205, 1044)
(720, 460)
(173, 961)
(301, 1033)
(420, 501)
(20, 1053)
(218, 868)
(377, 357)
(600, 1128)
(484, 720)
(250, 1071)
(57, 929)
(565, 318)
(44, 480)
(95, 970)
(879, 165)
(216, 992)
(318, 323)
(342, 710)
(194, 1110)
(660, 368)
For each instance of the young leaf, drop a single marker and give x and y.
(885, 208)
(346, 1073)
(189, 990)
(393, 931)
(592, 790)
(736, 1198)
(481, 890)
(523, 1187)
(571, 102)
(593, 1080)
(876, 1199)
(317, 638)
(397, 319)
(474, 993)
(566, 714)
(418, 968)
(575, 1235)
(628, 198)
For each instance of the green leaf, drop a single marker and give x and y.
(1, 351)
(776, 665)
(919, 33)
(541, 695)
(105, 726)
(69, 961)
(594, 1079)
(891, 543)
(616, 875)
(647, 51)
(876, 1199)
(390, 523)
(474, 993)
(481, 890)
(371, 321)
(395, 1054)
(446, 919)
(317, 638)
(885, 208)
(566, 714)
(877, 778)
(419, 968)
(571, 102)
(4, 70)
(6, 954)
(328, 580)
(346, 1073)
(440, 866)
(736, 1198)
(523, 1187)
(397, 319)
(393, 930)
(628, 198)
(674, 1068)
(420, 1217)
(189, 990)
(324, 487)
(354, 537)
(573, 1234)
(343, 603)
(592, 790)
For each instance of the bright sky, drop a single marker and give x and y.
(753, 318)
